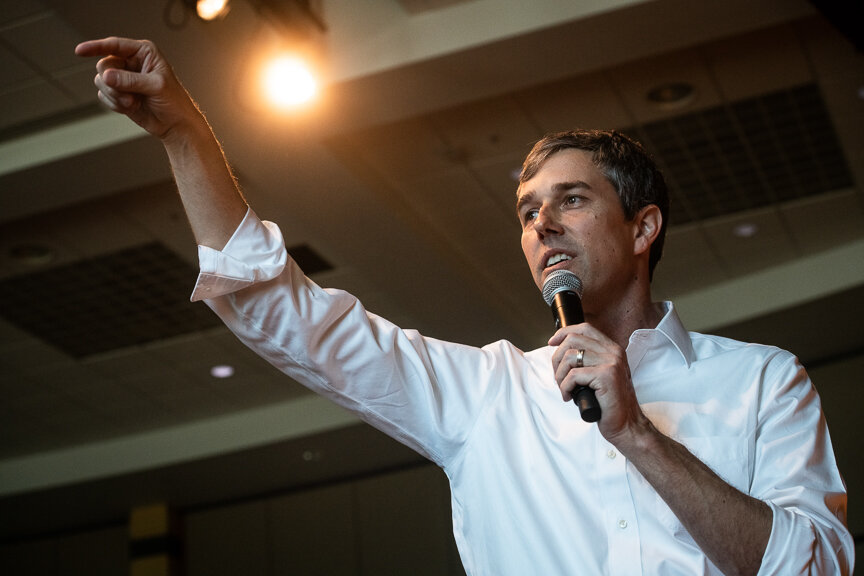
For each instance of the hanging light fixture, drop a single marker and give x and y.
(287, 68)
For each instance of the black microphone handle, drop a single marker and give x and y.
(567, 310)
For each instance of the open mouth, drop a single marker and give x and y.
(556, 258)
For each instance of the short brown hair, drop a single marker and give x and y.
(624, 162)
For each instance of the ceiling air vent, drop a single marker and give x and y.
(126, 298)
(748, 154)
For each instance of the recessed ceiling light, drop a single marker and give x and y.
(672, 95)
(222, 371)
(313, 455)
(745, 230)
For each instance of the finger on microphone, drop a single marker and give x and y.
(559, 336)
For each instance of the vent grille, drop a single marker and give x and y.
(123, 299)
(749, 154)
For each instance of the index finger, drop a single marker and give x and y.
(122, 47)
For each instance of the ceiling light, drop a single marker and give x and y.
(312, 455)
(222, 371)
(672, 95)
(745, 230)
(289, 82)
(209, 10)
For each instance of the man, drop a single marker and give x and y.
(711, 456)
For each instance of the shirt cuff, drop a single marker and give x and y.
(254, 253)
(790, 539)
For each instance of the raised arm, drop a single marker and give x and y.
(134, 79)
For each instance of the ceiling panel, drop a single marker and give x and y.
(748, 67)
(829, 220)
(486, 129)
(768, 244)
(15, 10)
(402, 150)
(15, 70)
(586, 101)
(30, 101)
(36, 41)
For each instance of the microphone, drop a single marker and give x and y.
(562, 292)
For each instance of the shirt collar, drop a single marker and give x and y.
(669, 328)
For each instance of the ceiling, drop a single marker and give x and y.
(398, 186)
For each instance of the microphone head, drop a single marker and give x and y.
(560, 281)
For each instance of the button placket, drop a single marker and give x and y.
(619, 510)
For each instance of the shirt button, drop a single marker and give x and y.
(622, 524)
(611, 454)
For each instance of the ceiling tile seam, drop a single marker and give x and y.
(21, 85)
(26, 20)
(45, 75)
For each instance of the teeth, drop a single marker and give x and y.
(557, 258)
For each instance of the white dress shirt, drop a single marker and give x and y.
(534, 489)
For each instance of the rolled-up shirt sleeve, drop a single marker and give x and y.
(796, 475)
(254, 253)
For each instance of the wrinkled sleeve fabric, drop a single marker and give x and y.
(254, 253)
(423, 392)
(795, 473)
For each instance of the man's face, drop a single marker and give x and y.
(572, 219)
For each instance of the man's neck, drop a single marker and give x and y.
(620, 320)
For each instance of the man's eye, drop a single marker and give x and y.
(530, 214)
(571, 200)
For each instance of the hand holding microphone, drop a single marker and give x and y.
(562, 292)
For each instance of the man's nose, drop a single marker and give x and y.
(547, 222)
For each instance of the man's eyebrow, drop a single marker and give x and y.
(524, 199)
(558, 187)
(564, 186)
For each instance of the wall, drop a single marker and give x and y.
(346, 528)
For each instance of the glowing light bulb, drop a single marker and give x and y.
(288, 82)
(211, 9)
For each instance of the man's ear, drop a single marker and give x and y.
(647, 224)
